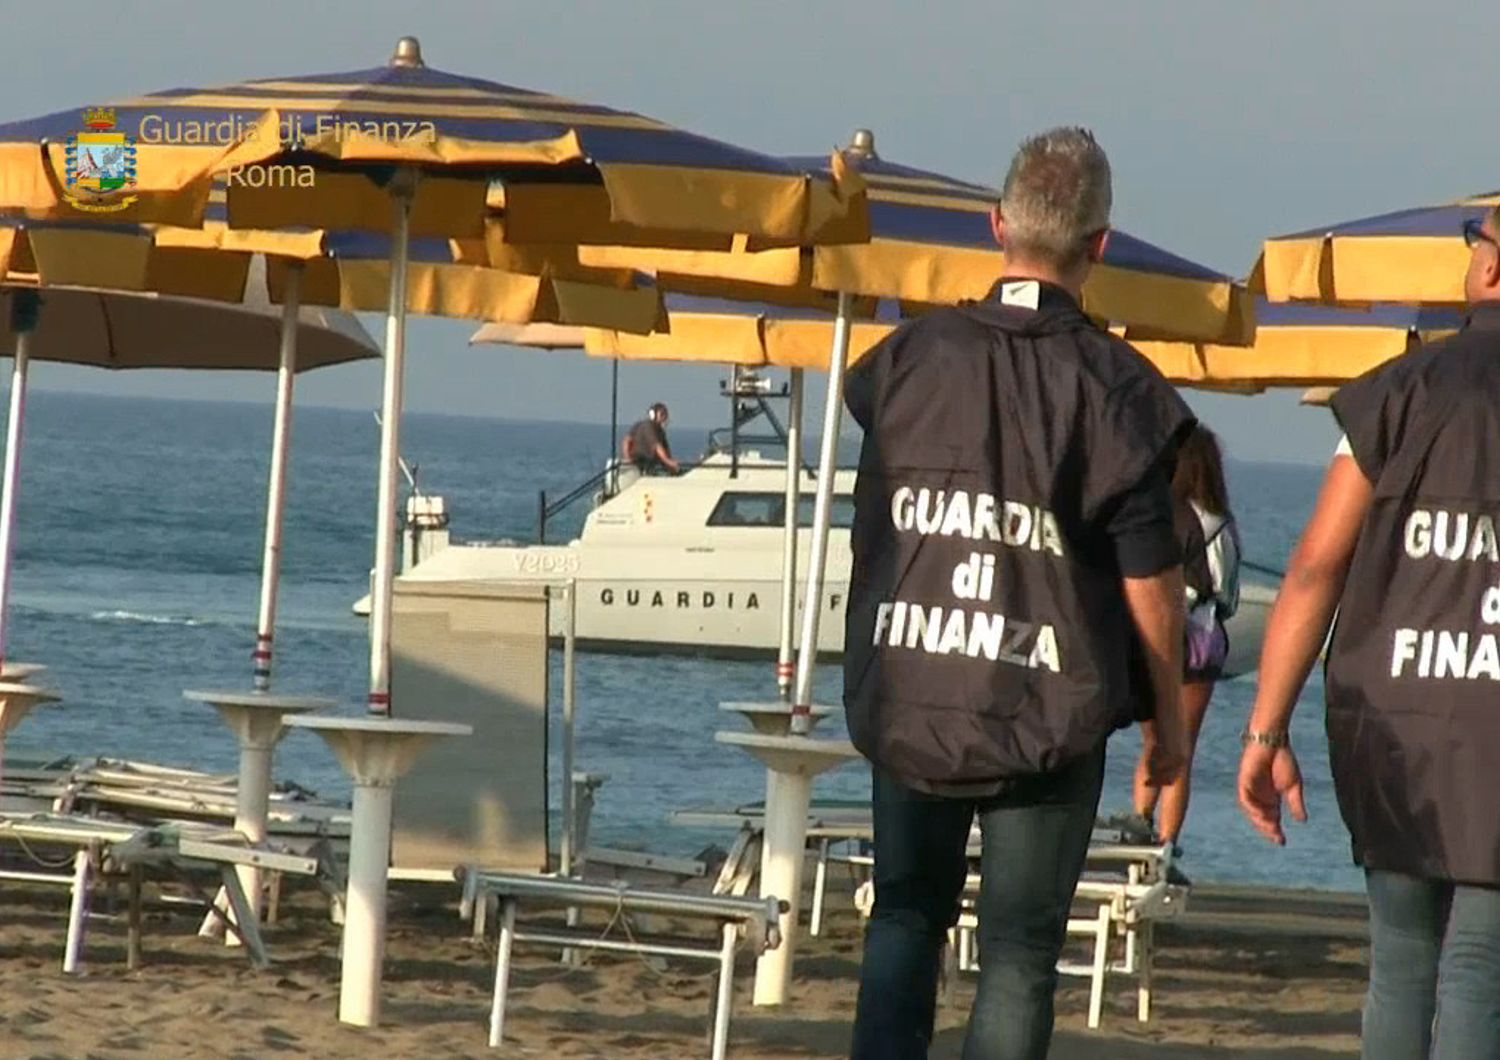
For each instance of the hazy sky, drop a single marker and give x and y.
(1225, 122)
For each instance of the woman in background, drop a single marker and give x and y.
(1210, 567)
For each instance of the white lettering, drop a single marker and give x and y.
(929, 519)
(1486, 659)
(1452, 654)
(966, 577)
(1044, 653)
(1442, 547)
(985, 634)
(1017, 525)
(1483, 544)
(984, 518)
(957, 521)
(1403, 651)
(903, 509)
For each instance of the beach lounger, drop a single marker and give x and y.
(1108, 908)
(753, 920)
(125, 849)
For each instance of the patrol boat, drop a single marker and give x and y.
(692, 563)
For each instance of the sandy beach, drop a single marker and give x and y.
(1243, 974)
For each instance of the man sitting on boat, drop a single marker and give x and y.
(645, 447)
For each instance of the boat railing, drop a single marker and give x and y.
(602, 487)
(606, 483)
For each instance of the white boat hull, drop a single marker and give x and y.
(658, 569)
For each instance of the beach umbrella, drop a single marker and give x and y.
(1414, 256)
(121, 330)
(412, 151)
(1302, 345)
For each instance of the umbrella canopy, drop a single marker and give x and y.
(930, 243)
(571, 171)
(1412, 256)
(348, 270)
(1303, 345)
(119, 329)
(1295, 345)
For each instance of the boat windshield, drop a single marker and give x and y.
(754, 508)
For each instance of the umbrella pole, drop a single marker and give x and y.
(786, 659)
(270, 569)
(402, 191)
(812, 607)
(25, 306)
(614, 417)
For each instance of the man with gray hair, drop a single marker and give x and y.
(1016, 594)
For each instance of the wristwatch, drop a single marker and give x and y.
(1273, 738)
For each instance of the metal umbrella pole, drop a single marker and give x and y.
(786, 658)
(838, 357)
(403, 190)
(25, 310)
(16, 698)
(270, 571)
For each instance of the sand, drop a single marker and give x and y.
(1243, 975)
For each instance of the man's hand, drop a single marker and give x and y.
(1166, 754)
(1267, 775)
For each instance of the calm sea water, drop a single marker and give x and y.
(137, 575)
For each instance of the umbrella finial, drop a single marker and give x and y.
(408, 53)
(862, 143)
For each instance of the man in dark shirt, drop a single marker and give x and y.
(645, 444)
(1013, 550)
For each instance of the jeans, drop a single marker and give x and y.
(1035, 838)
(1434, 970)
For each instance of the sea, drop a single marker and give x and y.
(137, 572)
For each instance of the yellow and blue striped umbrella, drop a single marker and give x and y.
(1415, 256)
(930, 243)
(344, 270)
(1302, 345)
(313, 150)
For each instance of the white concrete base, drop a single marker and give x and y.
(255, 718)
(774, 717)
(791, 762)
(375, 752)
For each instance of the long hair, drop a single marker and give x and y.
(1200, 472)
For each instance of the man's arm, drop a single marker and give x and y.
(665, 456)
(1150, 562)
(1295, 632)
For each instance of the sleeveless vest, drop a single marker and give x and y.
(1413, 668)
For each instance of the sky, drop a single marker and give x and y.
(1224, 123)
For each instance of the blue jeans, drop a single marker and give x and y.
(1434, 970)
(1036, 835)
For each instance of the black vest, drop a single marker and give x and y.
(986, 632)
(1413, 670)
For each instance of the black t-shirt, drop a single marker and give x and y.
(645, 436)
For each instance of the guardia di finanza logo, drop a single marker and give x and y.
(99, 164)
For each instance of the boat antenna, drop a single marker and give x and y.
(408, 470)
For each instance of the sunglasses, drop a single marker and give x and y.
(1474, 233)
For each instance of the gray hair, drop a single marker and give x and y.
(1056, 195)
